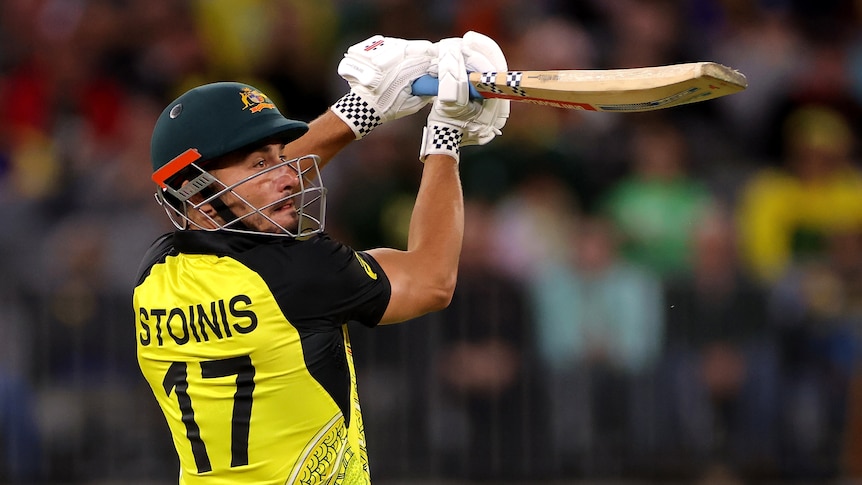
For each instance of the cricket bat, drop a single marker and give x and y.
(615, 90)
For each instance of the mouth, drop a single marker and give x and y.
(287, 206)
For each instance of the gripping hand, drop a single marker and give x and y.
(380, 71)
(482, 54)
(455, 120)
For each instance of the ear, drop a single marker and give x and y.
(207, 209)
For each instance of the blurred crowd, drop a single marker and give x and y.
(672, 295)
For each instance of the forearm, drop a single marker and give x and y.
(437, 223)
(327, 135)
(423, 277)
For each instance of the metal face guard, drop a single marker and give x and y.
(309, 200)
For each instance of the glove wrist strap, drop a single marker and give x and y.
(357, 113)
(441, 140)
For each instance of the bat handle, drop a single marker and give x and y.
(427, 86)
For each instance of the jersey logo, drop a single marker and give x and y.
(367, 267)
(323, 455)
(254, 100)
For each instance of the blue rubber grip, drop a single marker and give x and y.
(427, 86)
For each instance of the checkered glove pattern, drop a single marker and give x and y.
(359, 114)
(380, 71)
(441, 140)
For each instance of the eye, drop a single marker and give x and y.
(260, 163)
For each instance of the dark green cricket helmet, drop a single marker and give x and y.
(212, 120)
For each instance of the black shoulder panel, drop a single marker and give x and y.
(159, 250)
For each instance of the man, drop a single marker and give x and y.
(242, 312)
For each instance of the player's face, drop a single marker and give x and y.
(266, 186)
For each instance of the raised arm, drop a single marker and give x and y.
(423, 277)
(326, 136)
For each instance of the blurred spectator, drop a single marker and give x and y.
(21, 443)
(372, 190)
(20, 448)
(787, 213)
(83, 360)
(854, 54)
(162, 51)
(599, 336)
(643, 33)
(847, 257)
(820, 349)
(480, 424)
(534, 224)
(719, 366)
(759, 39)
(657, 204)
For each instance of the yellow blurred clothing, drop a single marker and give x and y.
(781, 217)
(235, 33)
(240, 35)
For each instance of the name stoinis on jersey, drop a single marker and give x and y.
(202, 322)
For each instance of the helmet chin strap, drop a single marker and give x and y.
(222, 209)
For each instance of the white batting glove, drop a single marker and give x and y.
(444, 131)
(482, 54)
(380, 71)
(455, 120)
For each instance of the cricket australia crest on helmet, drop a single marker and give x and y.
(254, 100)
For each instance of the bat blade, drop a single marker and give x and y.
(613, 90)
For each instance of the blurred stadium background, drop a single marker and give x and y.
(672, 297)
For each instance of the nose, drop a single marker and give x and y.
(287, 177)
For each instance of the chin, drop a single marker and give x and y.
(291, 223)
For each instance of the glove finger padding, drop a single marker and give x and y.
(482, 54)
(452, 79)
(452, 108)
(479, 49)
(380, 71)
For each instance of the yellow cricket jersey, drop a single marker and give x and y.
(243, 340)
(777, 208)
